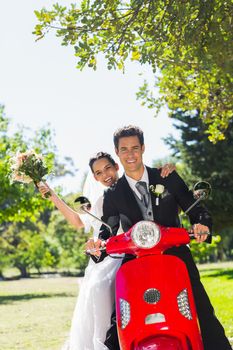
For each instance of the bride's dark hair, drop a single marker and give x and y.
(101, 155)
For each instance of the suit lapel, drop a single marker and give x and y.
(154, 178)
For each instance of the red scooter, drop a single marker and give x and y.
(154, 302)
(155, 307)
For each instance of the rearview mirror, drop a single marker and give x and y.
(82, 205)
(202, 190)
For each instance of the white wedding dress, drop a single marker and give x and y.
(95, 302)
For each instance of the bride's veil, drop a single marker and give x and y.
(93, 190)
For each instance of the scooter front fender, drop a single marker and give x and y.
(154, 297)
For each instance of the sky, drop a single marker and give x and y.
(39, 84)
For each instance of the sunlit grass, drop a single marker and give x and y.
(219, 286)
(36, 313)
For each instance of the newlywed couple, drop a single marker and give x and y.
(121, 206)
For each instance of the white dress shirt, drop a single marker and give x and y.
(133, 182)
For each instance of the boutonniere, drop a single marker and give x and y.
(157, 190)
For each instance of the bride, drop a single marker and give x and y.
(92, 314)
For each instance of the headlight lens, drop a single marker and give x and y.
(145, 234)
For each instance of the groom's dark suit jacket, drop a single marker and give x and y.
(120, 204)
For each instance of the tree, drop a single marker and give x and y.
(29, 246)
(23, 243)
(19, 202)
(187, 43)
(204, 253)
(70, 241)
(208, 162)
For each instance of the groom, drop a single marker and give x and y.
(130, 201)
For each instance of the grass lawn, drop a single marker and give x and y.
(218, 282)
(36, 313)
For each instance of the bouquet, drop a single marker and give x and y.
(28, 167)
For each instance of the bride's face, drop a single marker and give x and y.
(105, 172)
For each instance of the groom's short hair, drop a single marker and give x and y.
(127, 131)
(101, 155)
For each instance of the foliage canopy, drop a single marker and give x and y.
(187, 43)
(203, 160)
(26, 237)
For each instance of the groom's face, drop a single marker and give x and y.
(105, 172)
(130, 153)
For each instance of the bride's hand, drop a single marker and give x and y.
(94, 247)
(167, 169)
(44, 189)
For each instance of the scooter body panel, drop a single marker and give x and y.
(156, 313)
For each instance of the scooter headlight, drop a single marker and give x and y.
(145, 234)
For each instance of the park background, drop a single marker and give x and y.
(50, 105)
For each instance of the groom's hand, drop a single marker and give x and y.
(201, 232)
(94, 247)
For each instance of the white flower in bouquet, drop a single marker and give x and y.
(28, 167)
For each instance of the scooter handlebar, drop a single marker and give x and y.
(94, 250)
(192, 235)
(103, 248)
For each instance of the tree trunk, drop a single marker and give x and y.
(23, 271)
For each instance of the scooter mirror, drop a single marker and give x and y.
(201, 190)
(82, 205)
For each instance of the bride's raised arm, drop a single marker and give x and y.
(71, 216)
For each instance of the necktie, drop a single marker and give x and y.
(142, 189)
